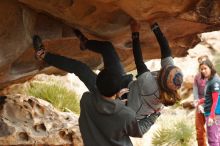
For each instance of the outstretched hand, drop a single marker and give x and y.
(151, 22)
(135, 26)
(122, 92)
(210, 121)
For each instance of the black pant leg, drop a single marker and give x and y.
(110, 56)
(85, 74)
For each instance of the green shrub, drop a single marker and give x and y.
(218, 68)
(59, 96)
(217, 62)
(175, 132)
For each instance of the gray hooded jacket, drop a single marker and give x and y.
(106, 122)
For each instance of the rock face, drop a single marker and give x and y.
(180, 21)
(27, 120)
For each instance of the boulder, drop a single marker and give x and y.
(27, 120)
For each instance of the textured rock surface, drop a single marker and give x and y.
(27, 121)
(180, 20)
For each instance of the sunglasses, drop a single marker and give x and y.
(202, 59)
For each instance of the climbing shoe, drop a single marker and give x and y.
(81, 37)
(37, 43)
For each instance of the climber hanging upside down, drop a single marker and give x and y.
(151, 92)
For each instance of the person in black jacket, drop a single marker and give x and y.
(104, 119)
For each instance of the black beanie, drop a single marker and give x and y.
(108, 82)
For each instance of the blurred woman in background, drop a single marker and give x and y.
(198, 93)
(211, 103)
